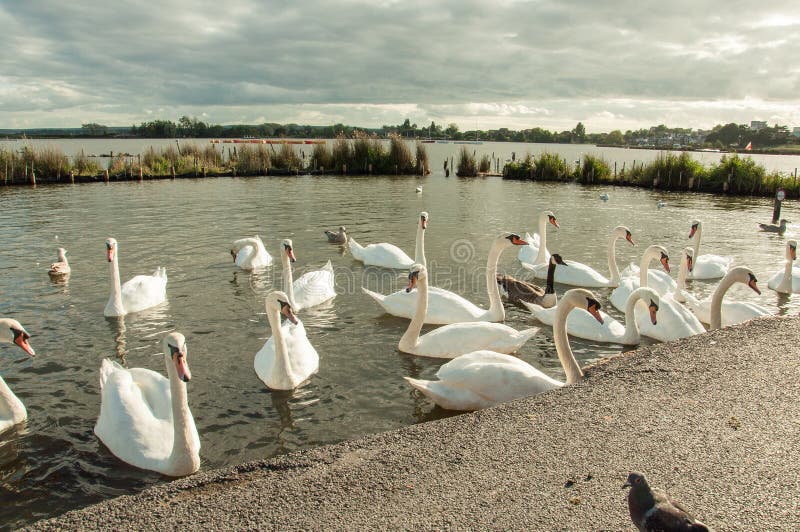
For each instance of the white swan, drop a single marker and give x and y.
(61, 267)
(12, 411)
(388, 255)
(485, 378)
(139, 293)
(706, 266)
(582, 324)
(450, 341)
(787, 281)
(145, 419)
(577, 274)
(740, 274)
(287, 358)
(311, 288)
(250, 253)
(733, 312)
(634, 277)
(536, 250)
(446, 307)
(675, 321)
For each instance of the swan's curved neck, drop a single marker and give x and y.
(647, 258)
(283, 365)
(184, 458)
(683, 272)
(496, 310)
(696, 247)
(410, 339)
(716, 302)
(565, 356)
(115, 299)
(551, 276)
(541, 258)
(631, 327)
(419, 249)
(786, 283)
(288, 279)
(10, 405)
(62, 256)
(612, 260)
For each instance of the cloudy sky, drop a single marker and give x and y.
(479, 64)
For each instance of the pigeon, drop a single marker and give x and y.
(771, 228)
(337, 238)
(652, 510)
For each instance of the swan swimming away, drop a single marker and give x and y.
(12, 411)
(446, 307)
(337, 238)
(139, 293)
(287, 359)
(483, 378)
(706, 266)
(250, 253)
(577, 274)
(145, 419)
(311, 288)
(456, 339)
(536, 250)
(787, 281)
(386, 255)
(61, 267)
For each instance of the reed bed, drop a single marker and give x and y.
(485, 164)
(732, 175)
(466, 165)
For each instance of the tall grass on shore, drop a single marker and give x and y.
(466, 165)
(733, 175)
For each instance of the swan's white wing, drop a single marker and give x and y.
(710, 267)
(658, 280)
(733, 312)
(675, 321)
(777, 277)
(128, 423)
(444, 306)
(457, 339)
(544, 315)
(531, 251)
(581, 324)
(573, 274)
(144, 291)
(303, 358)
(386, 256)
(619, 296)
(313, 288)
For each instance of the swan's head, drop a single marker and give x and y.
(551, 218)
(582, 298)
(658, 252)
(555, 258)
(744, 275)
(423, 220)
(664, 259)
(593, 307)
(512, 238)
(288, 249)
(791, 250)
(688, 258)
(280, 301)
(696, 224)
(417, 272)
(111, 249)
(623, 232)
(652, 304)
(11, 332)
(175, 348)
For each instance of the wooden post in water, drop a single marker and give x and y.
(172, 171)
(105, 175)
(204, 170)
(140, 173)
(395, 169)
(5, 174)
(344, 169)
(33, 175)
(615, 170)
(370, 168)
(72, 176)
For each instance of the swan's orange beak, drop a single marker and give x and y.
(517, 241)
(653, 309)
(423, 222)
(286, 310)
(692, 231)
(690, 263)
(184, 373)
(412, 281)
(290, 253)
(629, 238)
(553, 220)
(594, 309)
(110, 253)
(21, 339)
(233, 254)
(752, 284)
(665, 262)
(794, 253)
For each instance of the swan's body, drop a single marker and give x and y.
(706, 266)
(518, 291)
(444, 306)
(450, 341)
(536, 250)
(577, 274)
(739, 274)
(250, 253)
(675, 321)
(485, 378)
(311, 288)
(61, 267)
(12, 411)
(139, 293)
(634, 277)
(337, 238)
(145, 419)
(388, 255)
(787, 281)
(582, 324)
(287, 359)
(772, 228)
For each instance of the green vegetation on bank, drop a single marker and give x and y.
(670, 171)
(364, 154)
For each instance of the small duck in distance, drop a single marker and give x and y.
(772, 228)
(604, 196)
(60, 268)
(419, 189)
(661, 203)
(337, 238)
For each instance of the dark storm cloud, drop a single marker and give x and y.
(370, 62)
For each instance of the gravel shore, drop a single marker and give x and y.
(713, 419)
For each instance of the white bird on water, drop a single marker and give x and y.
(419, 188)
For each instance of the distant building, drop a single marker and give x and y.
(796, 132)
(755, 125)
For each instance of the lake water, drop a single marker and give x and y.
(55, 463)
